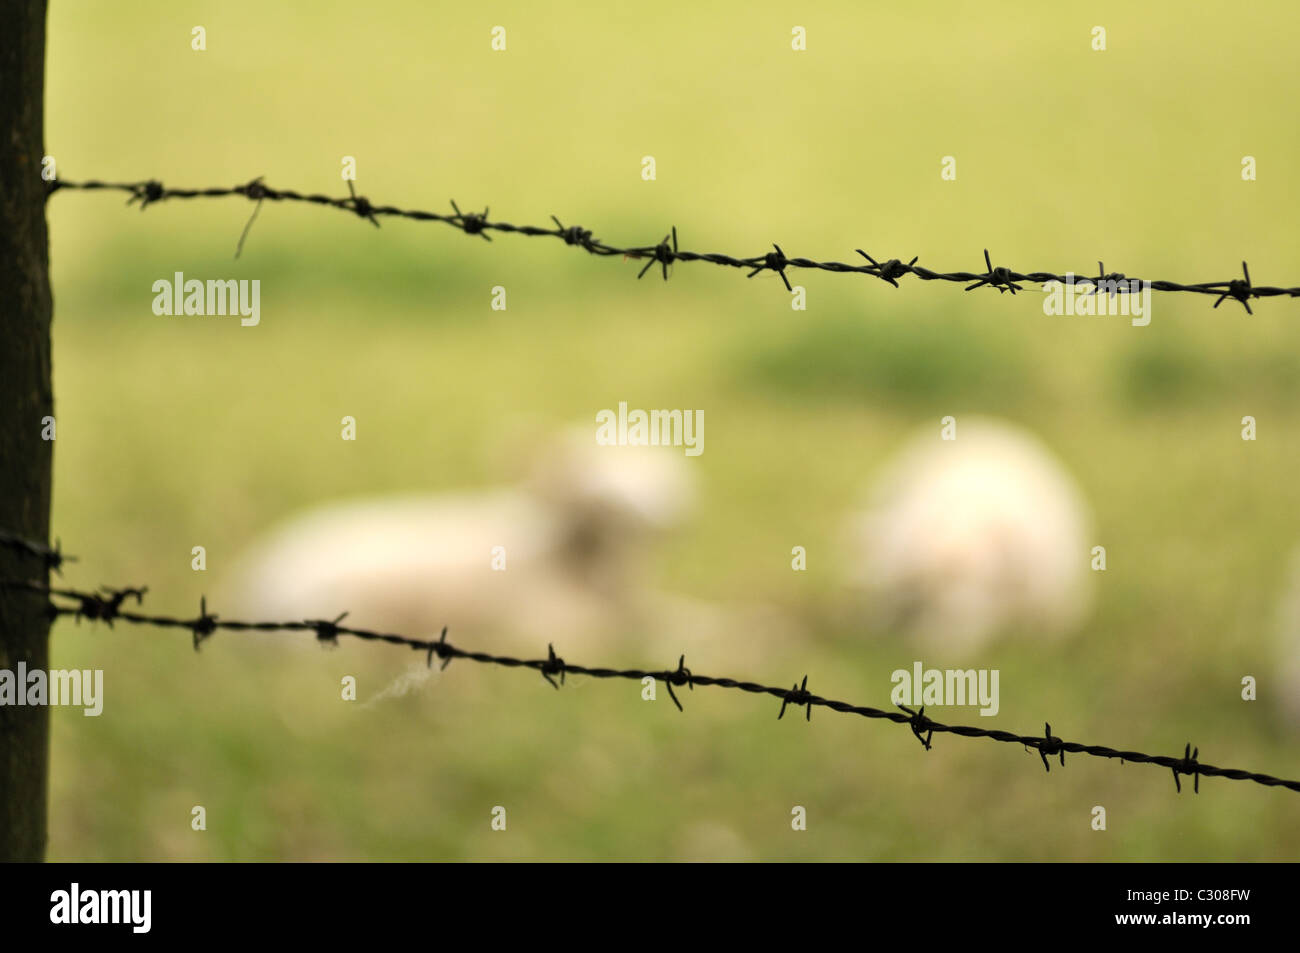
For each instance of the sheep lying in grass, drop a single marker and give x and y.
(560, 557)
(1286, 688)
(964, 539)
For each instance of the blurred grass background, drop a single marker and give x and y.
(175, 432)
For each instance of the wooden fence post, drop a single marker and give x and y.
(26, 400)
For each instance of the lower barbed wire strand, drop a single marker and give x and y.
(106, 606)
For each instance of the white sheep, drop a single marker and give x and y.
(572, 538)
(964, 539)
(1286, 690)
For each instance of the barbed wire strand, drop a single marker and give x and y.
(665, 253)
(106, 606)
(53, 558)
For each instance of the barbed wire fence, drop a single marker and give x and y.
(107, 605)
(666, 251)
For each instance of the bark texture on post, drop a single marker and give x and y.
(26, 397)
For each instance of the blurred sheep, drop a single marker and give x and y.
(573, 535)
(1288, 647)
(962, 540)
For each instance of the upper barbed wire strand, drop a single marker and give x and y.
(106, 606)
(1002, 278)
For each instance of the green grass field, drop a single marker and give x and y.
(175, 432)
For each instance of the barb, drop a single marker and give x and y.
(107, 605)
(680, 677)
(798, 695)
(919, 723)
(53, 558)
(663, 252)
(1052, 745)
